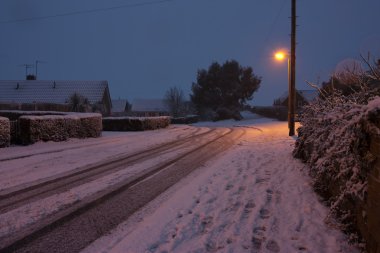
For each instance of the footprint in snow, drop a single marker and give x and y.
(257, 242)
(206, 223)
(211, 200)
(272, 246)
(232, 208)
(269, 195)
(229, 186)
(240, 190)
(250, 204)
(259, 230)
(261, 180)
(211, 246)
(301, 248)
(264, 213)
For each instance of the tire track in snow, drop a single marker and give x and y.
(91, 219)
(16, 196)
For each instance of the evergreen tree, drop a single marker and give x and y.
(224, 89)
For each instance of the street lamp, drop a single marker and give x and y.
(281, 56)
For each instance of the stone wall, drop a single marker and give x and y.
(5, 135)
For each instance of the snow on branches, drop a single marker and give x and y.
(334, 141)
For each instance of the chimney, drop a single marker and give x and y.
(31, 77)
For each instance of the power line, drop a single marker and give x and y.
(270, 30)
(124, 6)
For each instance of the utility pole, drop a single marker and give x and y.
(292, 84)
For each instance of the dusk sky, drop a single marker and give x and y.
(143, 47)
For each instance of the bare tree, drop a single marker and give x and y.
(353, 78)
(352, 73)
(174, 100)
(374, 69)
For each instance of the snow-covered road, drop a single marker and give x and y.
(254, 198)
(34, 193)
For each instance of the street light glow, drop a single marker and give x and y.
(280, 56)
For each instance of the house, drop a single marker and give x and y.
(21, 94)
(120, 106)
(303, 97)
(149, 107)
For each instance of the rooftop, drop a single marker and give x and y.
(50, 91)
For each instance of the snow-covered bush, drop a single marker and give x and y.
(135, 123)
(188, 119)
(334, 141)
(59, 127)
(5, 136)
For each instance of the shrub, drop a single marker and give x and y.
(59, 127)
(5, 136)
(189, 119)
(135, 123)
(334, 142)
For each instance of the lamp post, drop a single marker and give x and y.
(291, 70)
(281, 56)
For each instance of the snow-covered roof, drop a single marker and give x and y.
(118, 105)
(149, 105)
(50, 91)
(283, 97)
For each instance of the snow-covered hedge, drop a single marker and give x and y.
(14, 115)
(189, 119)
(135, 123)
(5, 135)
(59, 127)
(335, 139)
